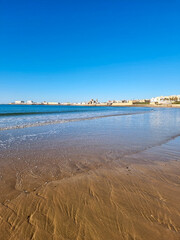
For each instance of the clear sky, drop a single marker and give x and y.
(76, 50)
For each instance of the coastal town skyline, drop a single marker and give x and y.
(161, 100)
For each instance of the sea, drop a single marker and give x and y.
(22, 116)
(112, 132)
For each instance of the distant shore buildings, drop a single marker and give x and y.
(92, 101)
(18, 102)
(53, 103)
(166, 100)
(29, 102)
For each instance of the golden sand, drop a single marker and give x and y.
(137, 201)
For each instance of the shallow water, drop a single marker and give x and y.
(121, 130)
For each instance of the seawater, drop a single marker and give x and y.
(21, 116)
(112, 132)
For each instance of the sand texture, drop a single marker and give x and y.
(115, 202)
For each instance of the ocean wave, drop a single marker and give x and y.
(38, 124)
(9, 114)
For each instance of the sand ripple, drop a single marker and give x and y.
(127, 202)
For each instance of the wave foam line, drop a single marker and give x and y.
(38, 124)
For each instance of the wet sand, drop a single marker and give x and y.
(110, 178)
(101, 200)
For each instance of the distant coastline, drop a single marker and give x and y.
(107, 105)
(162, 101)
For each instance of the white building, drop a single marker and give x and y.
(19, 102)
(44, 103)
(165, 99)
(30, 102)
(53, 103)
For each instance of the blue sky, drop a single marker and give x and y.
(76, 50)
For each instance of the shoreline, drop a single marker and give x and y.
(128, 105)
(104, 105)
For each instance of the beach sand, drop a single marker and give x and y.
(99, 200)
